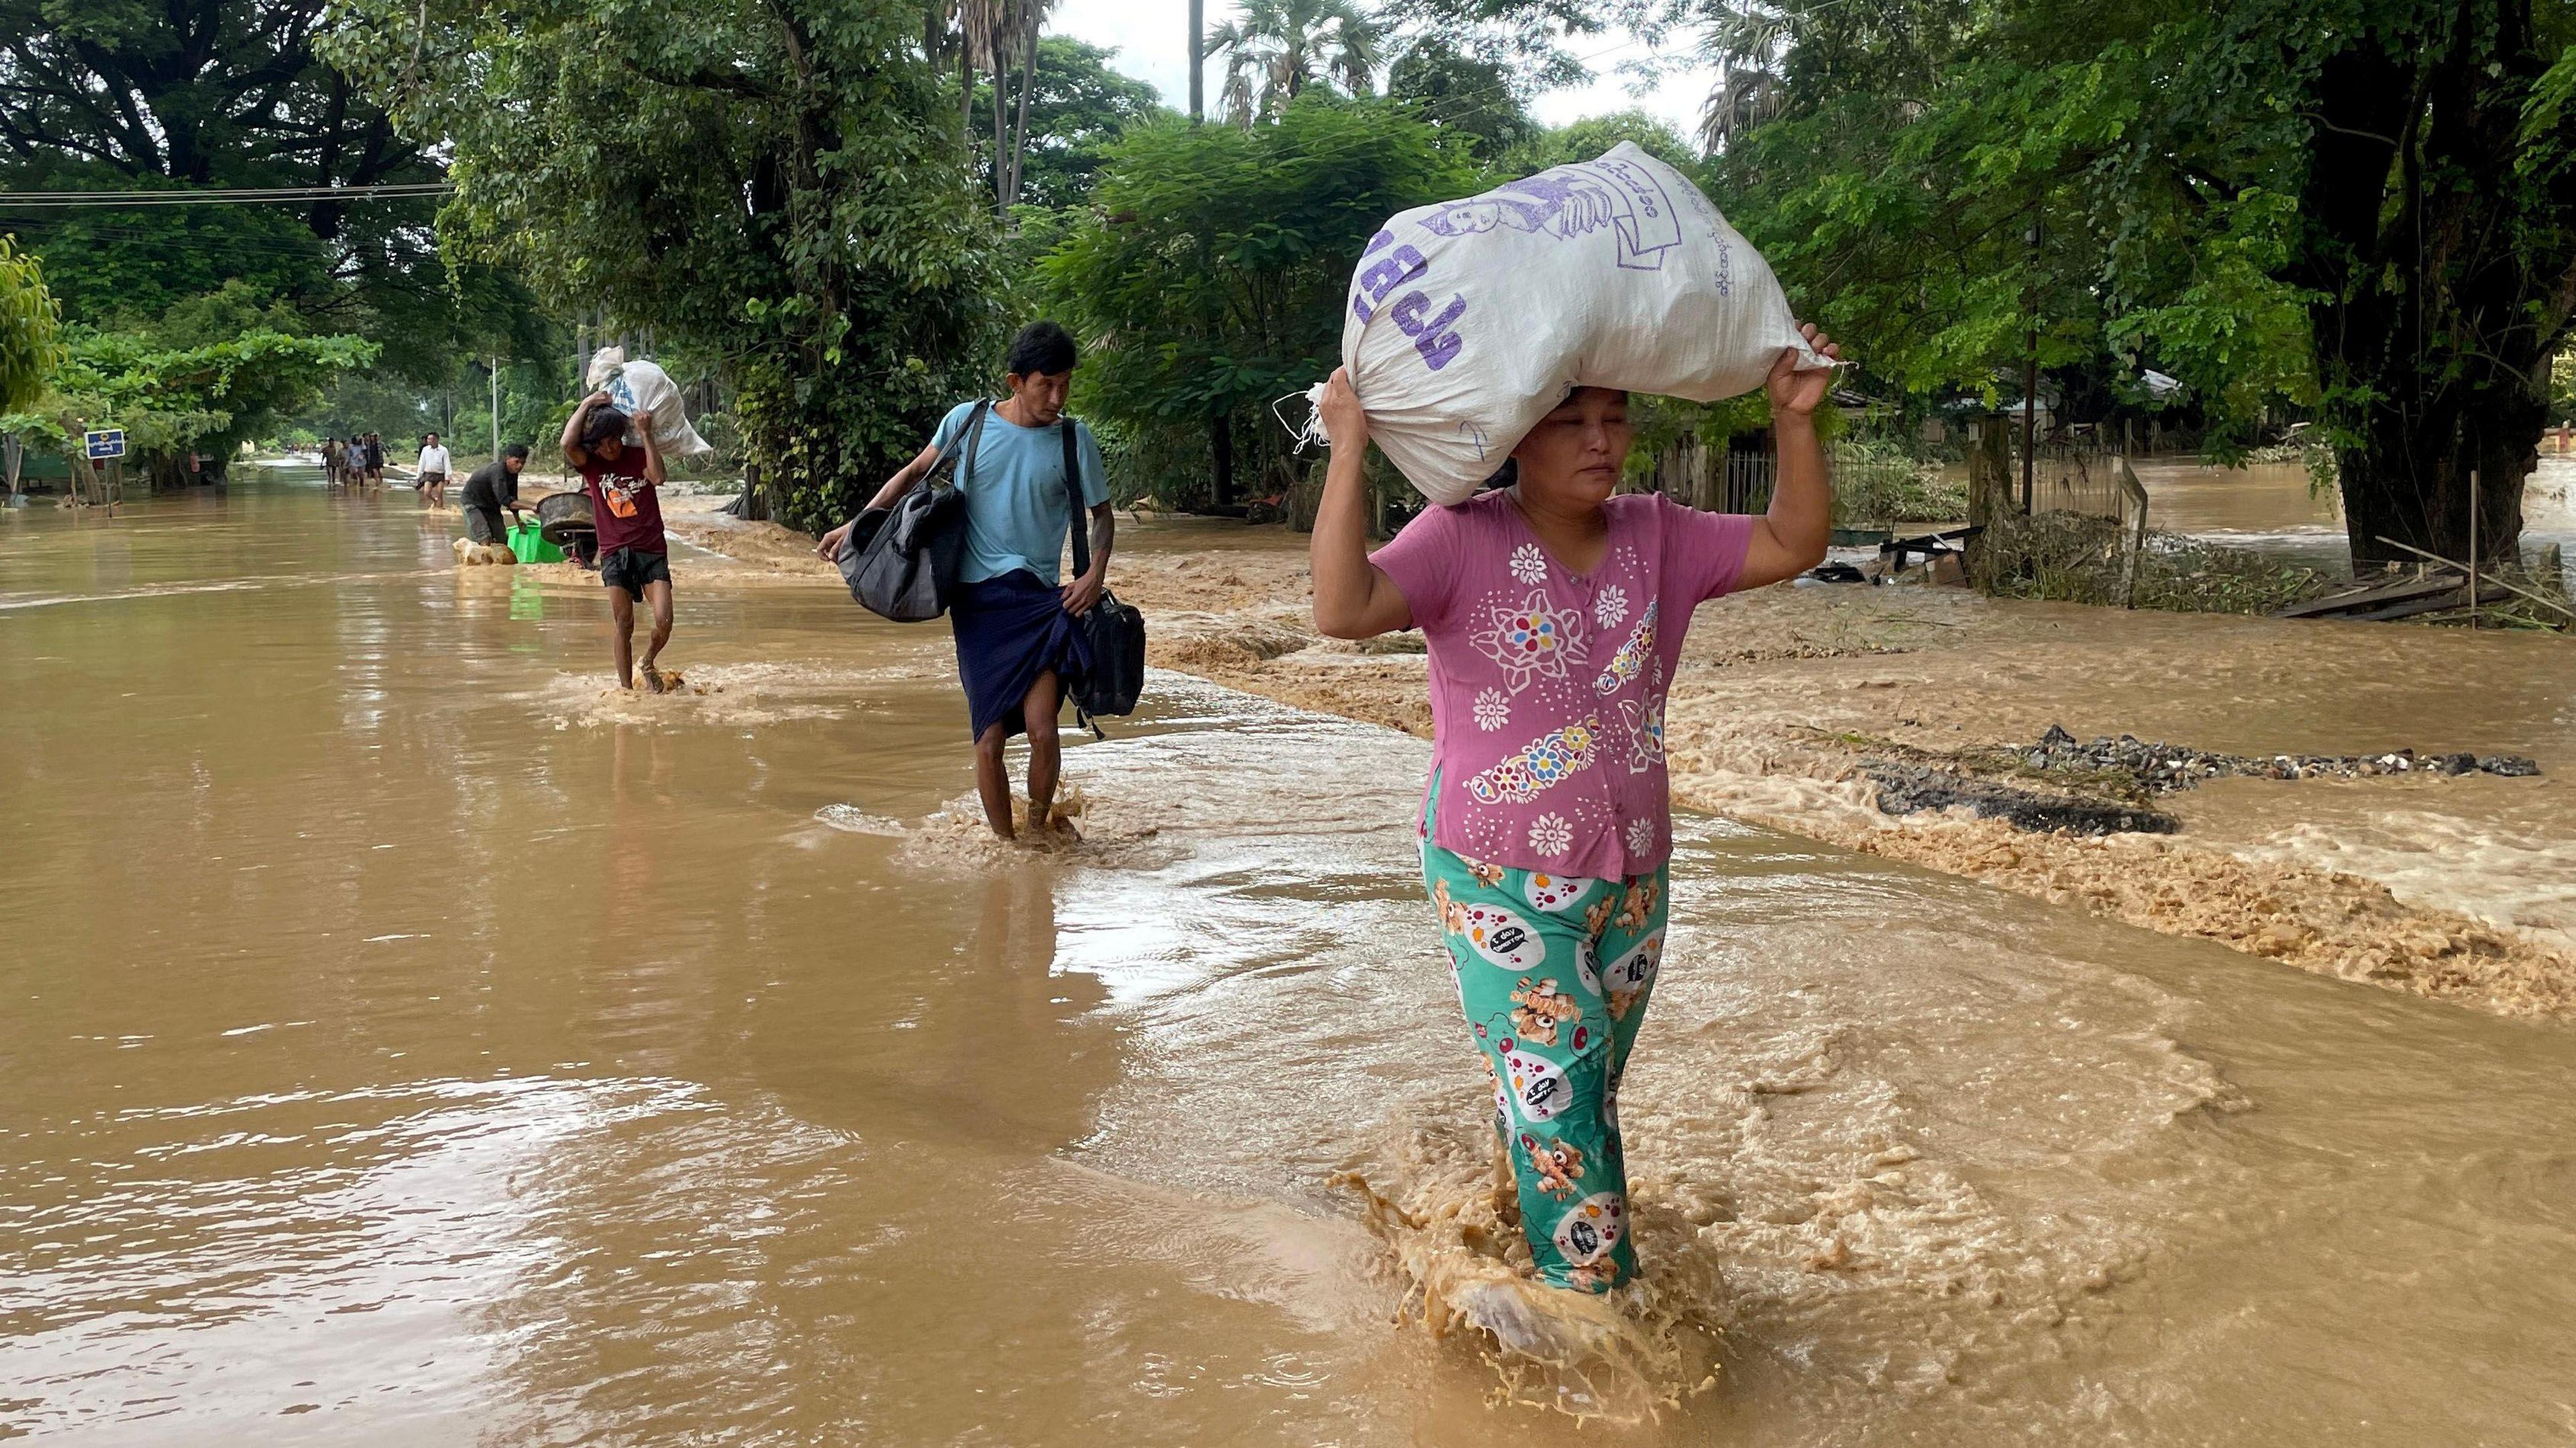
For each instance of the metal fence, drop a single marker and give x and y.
(2074, 478)
(2079, 477)
(1738, 481)
(1748, 480)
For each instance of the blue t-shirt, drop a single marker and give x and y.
(1015, 508)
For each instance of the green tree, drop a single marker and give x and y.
(2363, 206)
(1476, 95)
(1276, 48)
(1077, 109)
(1208, 280)
(776, 185)
(1587, 138)
(30, 328)
(123, 95)
(208, 398)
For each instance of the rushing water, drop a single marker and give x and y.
(410, 1043)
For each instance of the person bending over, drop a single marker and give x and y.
(1017, 645)
(1553, 614)
(624, 481)
(489, 489)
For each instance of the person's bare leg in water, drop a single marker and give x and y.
(658, 594)
(992, 773)
(621, 624)
(993, 779)
(1046, 755)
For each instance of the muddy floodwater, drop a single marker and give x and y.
(408, 1042)
(2276, 508)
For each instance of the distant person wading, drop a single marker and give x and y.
(431, 471)
(1013, 619)
(1553, 613)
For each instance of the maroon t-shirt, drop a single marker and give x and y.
(641, 528)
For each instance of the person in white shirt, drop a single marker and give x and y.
(433, 471)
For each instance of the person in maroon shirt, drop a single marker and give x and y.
(622, 480)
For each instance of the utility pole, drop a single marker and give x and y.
(496, 409)
(1198, 60)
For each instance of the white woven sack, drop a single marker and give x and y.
(1470, 320)
(642, 386)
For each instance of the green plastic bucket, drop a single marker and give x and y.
(531, 546)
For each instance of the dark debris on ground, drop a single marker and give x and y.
(2107, 785)
(2164, 768)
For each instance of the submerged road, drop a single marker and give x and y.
(410, 1042)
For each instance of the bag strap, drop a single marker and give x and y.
(965, 448)
(1081, 530)
(1073, 500)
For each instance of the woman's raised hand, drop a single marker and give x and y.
(1800, 393)
(1345, 424)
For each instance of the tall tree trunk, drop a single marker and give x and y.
(1001, 123)
(2443, 276)
(2409, 481)
(1990, 485)
(1020, 127)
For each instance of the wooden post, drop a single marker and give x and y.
(2473, 549)
(1221, 443)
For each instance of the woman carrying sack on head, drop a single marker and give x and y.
(1554, 615)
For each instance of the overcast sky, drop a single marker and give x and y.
(1152, 41)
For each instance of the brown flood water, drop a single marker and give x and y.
(408, 1045)
(2270, 508)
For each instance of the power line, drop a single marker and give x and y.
(223, 196)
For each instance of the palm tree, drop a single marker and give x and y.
(1276, 48)
(1001, 34)
(1744, 46)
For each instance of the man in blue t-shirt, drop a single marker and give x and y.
(1012, 611)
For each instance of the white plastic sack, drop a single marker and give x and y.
(1470, 320)
(642, 386)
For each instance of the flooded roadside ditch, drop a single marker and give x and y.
(415, 1040)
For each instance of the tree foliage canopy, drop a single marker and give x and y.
(1078, 108)
(777, 183)
(209, 397)
(1208, 279)
(30, 328)
(2365, 207)
(125, 95)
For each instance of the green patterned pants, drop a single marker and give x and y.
(1554, 975)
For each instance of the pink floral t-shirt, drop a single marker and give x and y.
(1547, 686)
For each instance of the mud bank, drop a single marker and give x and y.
(1784, 695)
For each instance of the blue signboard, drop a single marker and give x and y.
(107, 443)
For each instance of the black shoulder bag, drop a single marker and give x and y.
(901, 562)
(1116, 630)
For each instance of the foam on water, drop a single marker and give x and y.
(1439, 1200)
